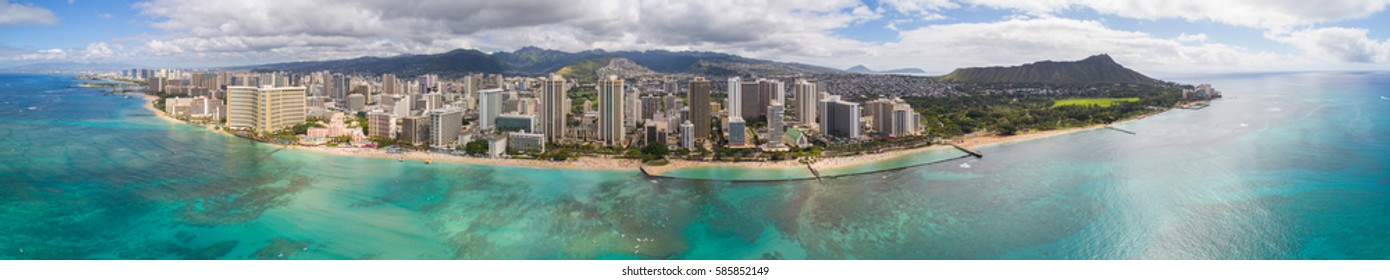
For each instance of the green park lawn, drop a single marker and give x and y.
(1102, 102)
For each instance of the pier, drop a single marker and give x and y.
(974, 153)
(814, 172)
(1120, 130)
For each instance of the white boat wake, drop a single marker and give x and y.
(1244, 124)
(965, 165)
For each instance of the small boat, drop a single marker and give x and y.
(965, 165)
(33, 108)
(1244, 124)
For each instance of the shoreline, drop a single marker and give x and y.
(615, 164)
(849, 161)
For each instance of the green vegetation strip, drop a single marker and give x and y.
(1102, 102)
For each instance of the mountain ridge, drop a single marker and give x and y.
(537, 61)
(1096, 69)
(861, 69)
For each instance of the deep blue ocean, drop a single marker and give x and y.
(1287, 166)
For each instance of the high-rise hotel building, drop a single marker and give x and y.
(554, 109)
(610, 111)
(265, 109)
(698, 96)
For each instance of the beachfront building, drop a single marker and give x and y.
(496, 145)
(444, 127)
(381, 124)
(414, 131)
(892, 117)
(699, 115)
(517, 122)
(841, 117)
(554, 107)
(774, 126)
(1203, 91)
(654, 132)
(521, 141)
(265, 109)
(207, 108)
(241, 107)
(738, 132)
(489, 106)
(336, 127)
(687, 135)
(610, 113)
(905, 121)
(177, 106)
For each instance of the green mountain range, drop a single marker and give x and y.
(1098, 69)
(537, 61)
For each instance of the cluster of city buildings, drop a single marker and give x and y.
(1203, 91)
(529, 113)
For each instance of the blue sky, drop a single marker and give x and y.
(1176, 36)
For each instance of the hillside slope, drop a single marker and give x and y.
(1098, 69)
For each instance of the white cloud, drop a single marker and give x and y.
(1249, 13)
(919, 6)
(1336, 44)
(17, 14)
(226, 32)
(1018, 41)
(269, 30)
(106, 16)
(98, 50)
(1199, 37)
(863, 13)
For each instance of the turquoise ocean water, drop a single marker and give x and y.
(1288, 166)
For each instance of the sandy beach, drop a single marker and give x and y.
(615, 164)
(583, 163)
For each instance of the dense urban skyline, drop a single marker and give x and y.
(935, 35)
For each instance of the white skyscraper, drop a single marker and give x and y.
(733, 105)
(444, 127)
(489, 106)
(806, 98)
(688, 135)
(402, 106)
